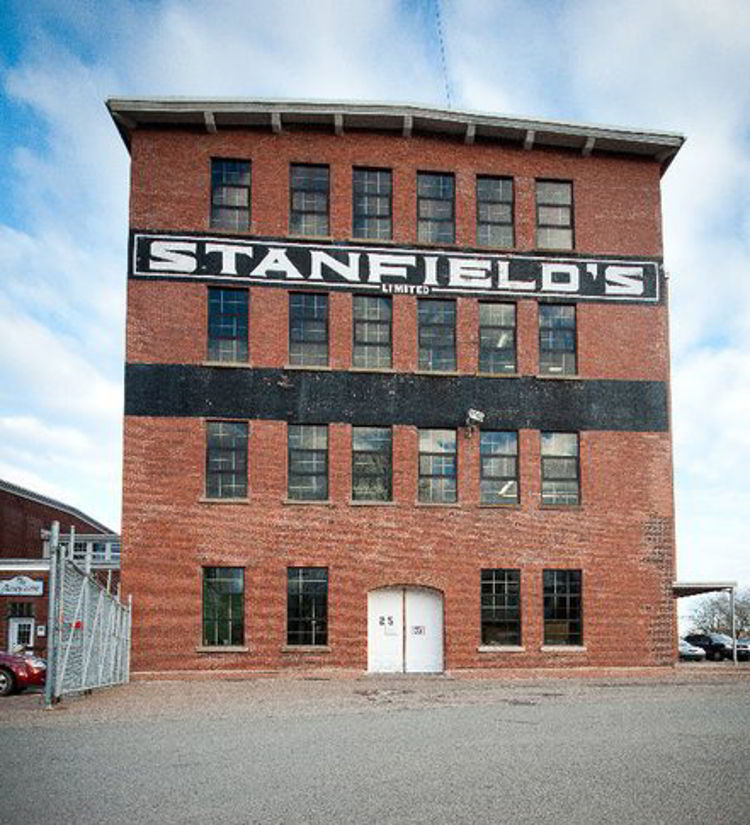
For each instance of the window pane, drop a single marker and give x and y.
(495, 212)
(371, 463)
(435, 208)
(308, 329)
(230, 194)
(437, 466)
(372, 331)
(497, 338)
(227, 324)
(560, 469)
(563, 620)
(309, 200)
(554, 192)
(308, 462)
(223, 606)
(226, 459)
(557, 339)
(501, 607)
(437, 335)
(372, 207)
(307, 606)
(555, 238)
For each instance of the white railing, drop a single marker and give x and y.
(101, 549)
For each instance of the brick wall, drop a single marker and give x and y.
(621, 536)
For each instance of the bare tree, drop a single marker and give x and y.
(711, 614)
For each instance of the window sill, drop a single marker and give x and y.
(222, 649)
(320, 368)
(373, 369)
(499, 506)
(206, 500)
(361, 503)
(508, 374)
(501, 649)
(561, 507)
(386, 242)
(310, 649)
(323, 502)
(563, 649)
(543, 250)
(241, 364)
(547, 376)
(447, 505)
(451, 373)
(327, 238)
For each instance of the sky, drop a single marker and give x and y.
(682, 66)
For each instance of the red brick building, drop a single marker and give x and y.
(397, 389)
(24, 560)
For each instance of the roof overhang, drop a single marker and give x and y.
(406, 120)
(680, 589)
(24, 565)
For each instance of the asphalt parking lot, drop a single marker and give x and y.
(597, 747)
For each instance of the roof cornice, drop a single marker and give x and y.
(214, 114)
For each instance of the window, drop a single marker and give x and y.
(495, 212)
(230, 194)
(223, 606)
(21, 610)
(497, 338)
(498, 455)
(563, 620)
(227, 324)
(560, 478)
(437, 466)
(372, 332)
(435, 208)
(373, 203)
(307, 606)
(437, 335)
(308, 200)
(226, 459)
(308, 462)
(554, 214)
(371, 463)
(501, 607)
(308, 329)
(557, 339)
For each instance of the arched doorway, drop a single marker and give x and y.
(404, 630)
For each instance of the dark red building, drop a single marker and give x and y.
(24, 560)
(397, 389)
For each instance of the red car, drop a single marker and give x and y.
(17, 672)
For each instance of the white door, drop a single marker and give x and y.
(404, 630)
(423, 626)
(385, 630)
(20, 632)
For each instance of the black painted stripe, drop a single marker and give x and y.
(309, 396)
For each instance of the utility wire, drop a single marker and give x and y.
(441, 40)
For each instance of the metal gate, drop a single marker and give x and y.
(88, 641)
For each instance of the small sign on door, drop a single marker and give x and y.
(388, 625)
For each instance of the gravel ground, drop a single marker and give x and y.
(321, 692)
(625, 747)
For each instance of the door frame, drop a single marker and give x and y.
(403, 590)
(14, 624)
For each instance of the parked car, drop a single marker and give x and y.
(743, 650)
(717, 645)
(19, 671)
(690, 652)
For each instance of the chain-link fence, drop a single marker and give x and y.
(89, 628)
